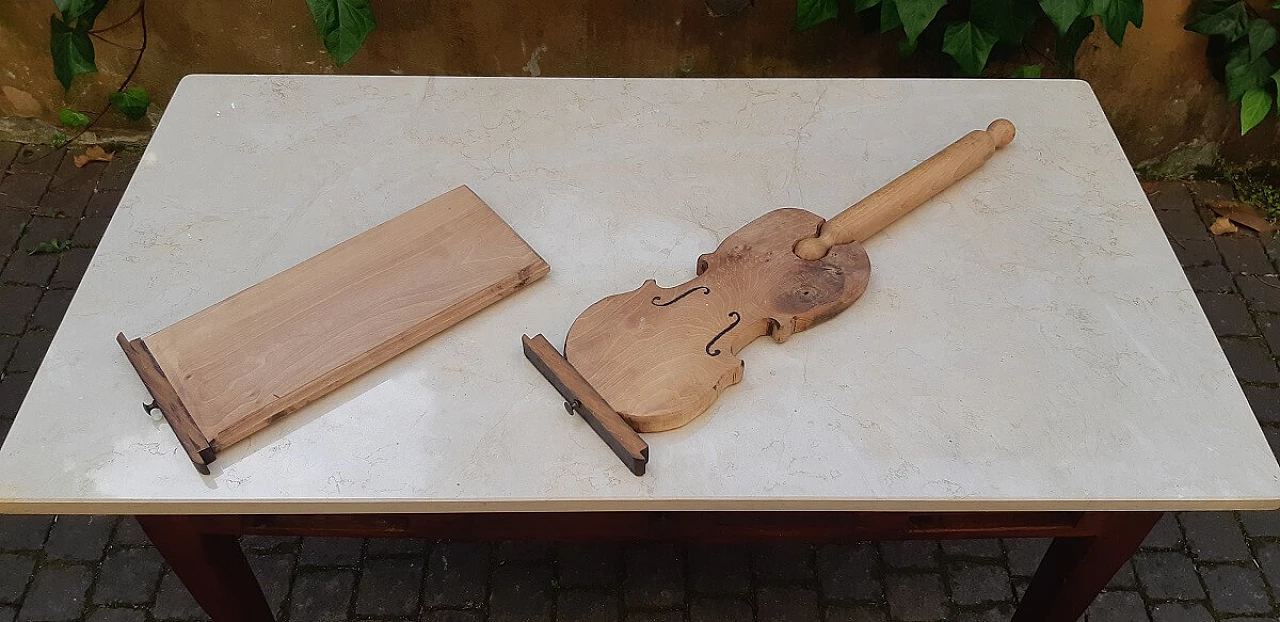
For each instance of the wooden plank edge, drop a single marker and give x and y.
(387, 350)
(580, 397)
(175, 412)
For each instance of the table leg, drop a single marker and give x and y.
(1075, 569)
(212, 567)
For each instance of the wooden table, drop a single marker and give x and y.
(1028, 360)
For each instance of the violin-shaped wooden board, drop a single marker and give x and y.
(658, 357)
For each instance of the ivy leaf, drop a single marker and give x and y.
(1212, 19)
(1275, 77)
(969, 45)
(1244, 73)
(1253, 109)
(1262, 37)
(916, 15)
(83, 12)
(1116, 16)
(70, 118)
(1027, 71)
(132, 101)
(810, 13)
(72, 51)
(1069, 42)
(1063, 13)
(862, 5)
(889, 15)
(343, 24)
(1007, 19)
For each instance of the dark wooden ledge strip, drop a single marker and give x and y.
(175, 412)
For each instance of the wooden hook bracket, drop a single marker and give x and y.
(165, 399)
(582, 399)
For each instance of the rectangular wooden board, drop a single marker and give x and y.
(278, 345)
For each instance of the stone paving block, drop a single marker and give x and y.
(129, 533)
(396, 547)
(654, 576)
(518, 551)
(980, 549)
(22, 191)
(1265, 402)
(13, 388)
(15, 574)
(457, 575)
(69, 176)
(275, 574)
(850, 573)
(117, 615)
(1250, 360)
(8, 614)
(1236, 589)
(1124, 578)
(1024, 554)
(330, 551)
(722, 569)
(89, 232)
(53, 306)
(389, 587)
(174, 602)
(452, 615)
(1243, 254)
(1269, 324)
(520, 592)
(1196, 252)
(991, 613)
(783, 562)
(322, 596)
(36, 159)
(855, 614)
(80, 538)
(20, 302)
(785, 604)
(270, 543)
(103, 203)
(1204, 191)
(1182, 224)
(1261, 525)
(128, 577)
(589, 564)
(1167, 575)
(57, 594)
(1227, 314)
(1117, 607)
(64, 204)
(1167, 534)
(1180, 612)
(23, 532)
(8, 151)
(1214, 536)
(975, 583)
(71, 266)
(586, 606)
(42, 229)
(910, 554)
(916, 597)
(31, 349)
(6, 424)
(13, 223)
(119, 170)
(1261, 292)
(719, 610)
(1269, 562)
(27, 269)
(1168, 195)
(655, 616)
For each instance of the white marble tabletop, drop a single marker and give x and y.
(1027, 342)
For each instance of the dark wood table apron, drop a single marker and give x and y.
(1088, 547)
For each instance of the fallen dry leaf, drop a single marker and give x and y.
(93, 154)
(1222, 225)
(1243, 213)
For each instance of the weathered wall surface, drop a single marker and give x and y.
(1157, 89)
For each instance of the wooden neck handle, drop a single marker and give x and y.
(909, 190)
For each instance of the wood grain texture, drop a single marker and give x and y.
(274, 347)
(582, 399)
(661, 356)
(906, 192)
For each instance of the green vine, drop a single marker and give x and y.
(990, 23)
(342, 24)
(1244, 45)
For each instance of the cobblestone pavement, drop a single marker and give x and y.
(1195, 567)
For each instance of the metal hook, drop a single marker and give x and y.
(569, 407)
(151, 406)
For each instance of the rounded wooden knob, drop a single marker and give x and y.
(811, 249)
(1002, 132)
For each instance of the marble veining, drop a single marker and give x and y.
(1027, 341)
